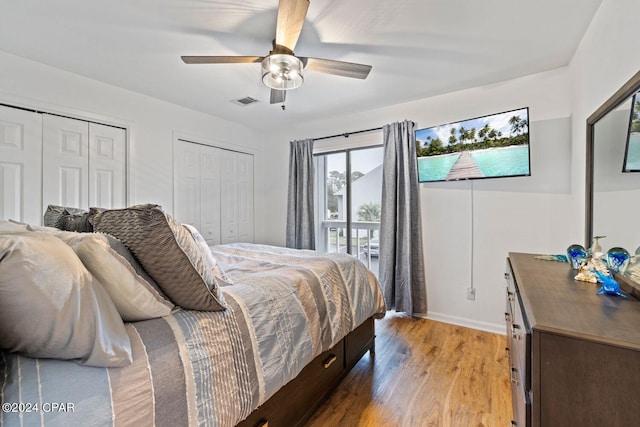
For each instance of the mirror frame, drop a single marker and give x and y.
(624, 93)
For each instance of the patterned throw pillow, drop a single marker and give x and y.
(168, 253)
(75, 222)
(53, 215)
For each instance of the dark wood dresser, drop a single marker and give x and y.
(574, 355)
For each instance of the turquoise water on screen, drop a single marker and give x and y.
(436, 168)
(503, 161)
(633, 155)
(493, 162)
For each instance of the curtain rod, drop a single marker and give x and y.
(346, 134)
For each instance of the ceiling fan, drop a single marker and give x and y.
(281, 69)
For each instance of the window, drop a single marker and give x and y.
(348, 196)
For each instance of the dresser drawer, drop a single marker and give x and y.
(519, 351)
(520, 403)
(521, 342)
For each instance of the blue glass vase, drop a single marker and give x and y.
(576, 255)
(618, 259)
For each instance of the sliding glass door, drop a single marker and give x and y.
(348, 194)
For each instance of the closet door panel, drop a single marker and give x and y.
(245, 198)
(229, 196)
(213, 190)
(20, 165)
(107, 166)
(210, 194)
(65, 171)
(187, 183)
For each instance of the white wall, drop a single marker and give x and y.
(526, 214)
(152, 123)
(516, 214)
(606, 59)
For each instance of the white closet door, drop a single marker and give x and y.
(65, 172)
(213, 191)
(210, 194)
(186, 207)
(245, 198)
(229, 197)
(107, 166)
(20, 165)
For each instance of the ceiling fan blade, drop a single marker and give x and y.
(278, 96)
(291, 14)
(338, 68)
(221, 59)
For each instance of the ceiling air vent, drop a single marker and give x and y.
(245, 101)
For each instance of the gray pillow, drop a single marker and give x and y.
(76, 222)
(52, 307)
(54, 213)
(168, 252)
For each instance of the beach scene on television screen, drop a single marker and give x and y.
(632, 162)
(485, 147)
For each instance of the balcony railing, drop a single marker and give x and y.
(334, 239)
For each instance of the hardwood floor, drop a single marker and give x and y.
(424, 373)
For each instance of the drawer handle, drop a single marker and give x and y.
(514, 423)
(510, 295)
(507, 317)
(329, 361)
(507, 352)
(514, 374)
(506, 276)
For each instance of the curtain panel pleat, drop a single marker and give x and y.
(401, 256)
(300, 211)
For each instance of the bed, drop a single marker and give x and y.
(292, 325)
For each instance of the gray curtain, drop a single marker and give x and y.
(300, 224)
(401, 260)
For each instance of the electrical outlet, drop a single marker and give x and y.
(471, 294)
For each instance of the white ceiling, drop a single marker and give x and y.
(418, 48)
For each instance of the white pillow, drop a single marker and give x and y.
(52, 307)
(217, 269)
(134, 293)
(10, 227)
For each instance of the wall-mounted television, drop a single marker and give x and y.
(491, 146)
(632, 149)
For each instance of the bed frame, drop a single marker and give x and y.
(296, 402)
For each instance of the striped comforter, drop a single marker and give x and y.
(206, 368)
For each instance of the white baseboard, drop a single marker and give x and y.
(463, 321)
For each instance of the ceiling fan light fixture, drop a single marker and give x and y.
(282, 71)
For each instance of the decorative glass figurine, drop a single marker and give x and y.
(618, 259)
(576, 255)
(596, 250)
(609, 285)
